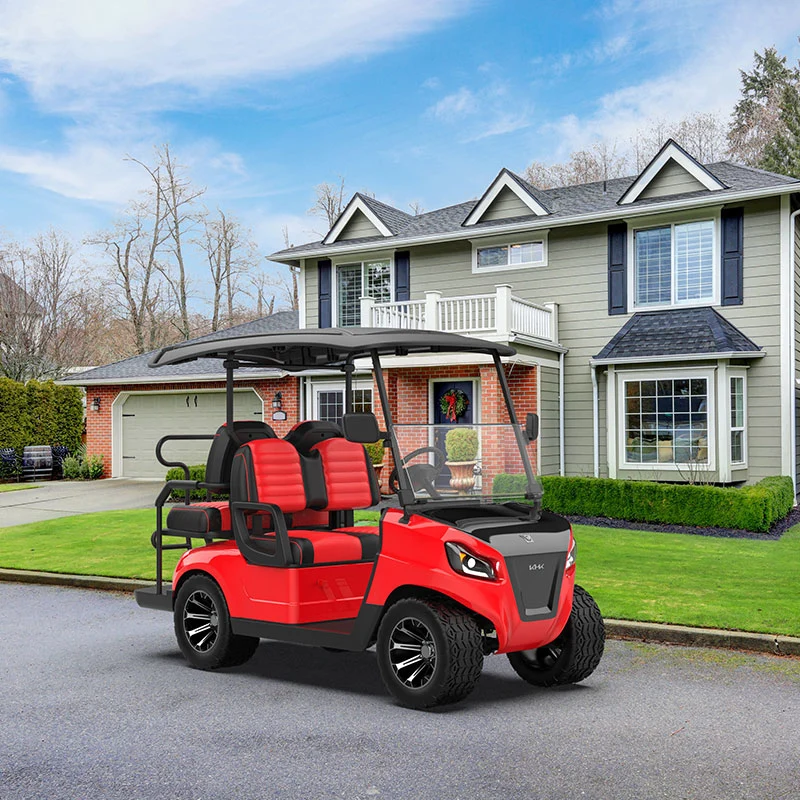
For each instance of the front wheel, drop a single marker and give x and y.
(429, 653)
(203, 627)
(571, 657)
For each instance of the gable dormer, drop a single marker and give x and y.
(357, 221)
(507, 197)
(672, 171)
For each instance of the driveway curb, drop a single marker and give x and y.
(615, 628)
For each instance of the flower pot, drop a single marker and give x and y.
(462, 475)
(378, 469)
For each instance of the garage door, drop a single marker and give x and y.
(148, 417)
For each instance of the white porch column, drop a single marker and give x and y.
(367, 304)
(432, 310)
(502, 310)
(553, 309)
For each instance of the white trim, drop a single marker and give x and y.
(434, 360)
(678, 373)
(561, 222)
(671, 222)
(611, 411)
(598, 362)
(541, 238)
(561, 455)
(301, 295)
(733, 372)
(356, 204)
(144, 381)
(504, 181)
(787, 366)
(670, 152)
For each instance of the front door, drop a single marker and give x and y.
(453, 404)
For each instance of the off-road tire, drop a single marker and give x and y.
(574, 655)
(457, 647)
(227, 649)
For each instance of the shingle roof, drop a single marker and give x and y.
(134, 369)
(679, 332)
(563, 202)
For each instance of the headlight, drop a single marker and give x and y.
(461, 560)
(571, 556)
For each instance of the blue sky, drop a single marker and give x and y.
(423, 100)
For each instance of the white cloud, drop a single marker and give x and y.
(72, 53)
(455, 106)
(702, 75)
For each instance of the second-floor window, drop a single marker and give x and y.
(510, 256)
(674, 264)
(370, 278)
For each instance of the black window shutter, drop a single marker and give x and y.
(402, 275)
(732, 256)
(324, 274)
(617, 268)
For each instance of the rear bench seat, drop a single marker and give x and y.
(335, 475)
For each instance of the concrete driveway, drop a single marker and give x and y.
(67, 498)
(99, 703)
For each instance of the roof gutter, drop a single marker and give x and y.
(287, 257)
(599, 362)
(167, 378)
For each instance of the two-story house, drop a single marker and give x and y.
(655, 321)
(654, 317)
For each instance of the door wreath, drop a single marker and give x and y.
(453, 404)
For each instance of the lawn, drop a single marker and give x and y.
(738, 584)
(15, 487)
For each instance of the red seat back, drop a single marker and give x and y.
(269, 471)
(350, 480)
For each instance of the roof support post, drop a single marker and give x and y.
(230, 365)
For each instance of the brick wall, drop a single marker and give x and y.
(98, 423)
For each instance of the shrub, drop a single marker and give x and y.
(375, 452)
(196, 473)
(71, 468)
(92, 468)
(461, 444)
(753, 508)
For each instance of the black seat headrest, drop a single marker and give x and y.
(223, 447)
(305, 435)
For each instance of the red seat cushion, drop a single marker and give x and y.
(349, 478)
(367, 535)
(322, 547)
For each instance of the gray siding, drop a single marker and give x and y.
(671, 179)
(312, 294)
(506, 205)
(548, 414)
(359, 227)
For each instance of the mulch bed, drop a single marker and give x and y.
(774, 533)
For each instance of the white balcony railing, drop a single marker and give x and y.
(500, 314)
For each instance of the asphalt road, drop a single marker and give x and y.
(96, 702)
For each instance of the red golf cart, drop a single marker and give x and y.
(453, 572)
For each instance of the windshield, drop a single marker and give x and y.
(467, 461)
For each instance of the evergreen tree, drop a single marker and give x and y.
(782, 154)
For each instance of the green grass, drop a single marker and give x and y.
(737, 584)
(15, 487)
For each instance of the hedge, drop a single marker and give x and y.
(38, 414)
(196, 473)
(751, 508)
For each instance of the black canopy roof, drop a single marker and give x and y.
(320, 348)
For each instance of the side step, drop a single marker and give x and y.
(149, 597)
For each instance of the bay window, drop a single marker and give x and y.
(737, 420)
(674, 264)
(369, 278)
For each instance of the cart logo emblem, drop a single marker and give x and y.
(526, 536)
(532, 567)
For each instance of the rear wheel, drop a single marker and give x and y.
(429, 653)
(574, 655)
(203, 627)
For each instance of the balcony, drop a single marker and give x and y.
(500, 316)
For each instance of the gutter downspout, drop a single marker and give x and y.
(561, 458)
(791, 355)
(595, 424)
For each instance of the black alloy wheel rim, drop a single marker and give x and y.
(412, 653)
(543, 658)
(201, 621)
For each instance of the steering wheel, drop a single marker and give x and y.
(422, 476)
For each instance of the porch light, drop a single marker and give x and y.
(277, 401)
(95, 404)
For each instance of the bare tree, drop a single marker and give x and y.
(178, 196)
(230, 253)
(600, 162)
(39, 316)
(416, 208)
(329, 202)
